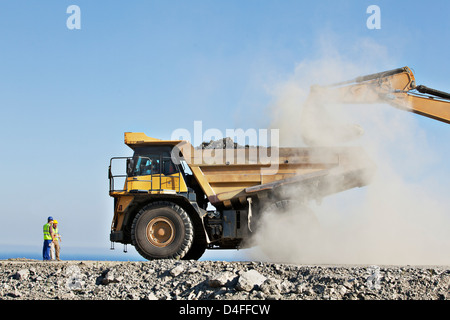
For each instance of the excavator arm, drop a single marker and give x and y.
(396, 87)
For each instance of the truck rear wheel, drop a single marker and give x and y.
(289, 213)
(162, 230)
(287, 231)
(300, 212)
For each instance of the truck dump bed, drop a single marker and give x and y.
(229, 176)
(307, 172)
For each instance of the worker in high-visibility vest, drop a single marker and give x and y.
(56, 239)
(48, 238)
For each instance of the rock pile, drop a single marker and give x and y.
(225, 143)
(211, 280)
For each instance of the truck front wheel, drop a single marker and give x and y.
(162, 230)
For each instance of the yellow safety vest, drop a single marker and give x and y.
(47, 234)
(56, 234)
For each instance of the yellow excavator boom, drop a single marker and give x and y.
(396, 87)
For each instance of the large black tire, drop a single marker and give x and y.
(197, 250)
(162, 230)
(286, 227)
(292, 212)
(199, 245)
(302, 212)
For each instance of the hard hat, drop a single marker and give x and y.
(54, 221)
(50, 218)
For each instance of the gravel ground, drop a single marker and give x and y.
(22, 279)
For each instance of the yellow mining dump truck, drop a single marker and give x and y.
(162, 207)
(175, 201)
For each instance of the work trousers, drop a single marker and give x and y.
(57, 249)
(46, 249)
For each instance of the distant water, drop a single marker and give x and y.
(72, 253)
(117, 254)
(91, 256)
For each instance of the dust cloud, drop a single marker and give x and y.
(396, 219)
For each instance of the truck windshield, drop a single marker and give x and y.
(146, 162)
(143, 166)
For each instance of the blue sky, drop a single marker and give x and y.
(67, 96)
